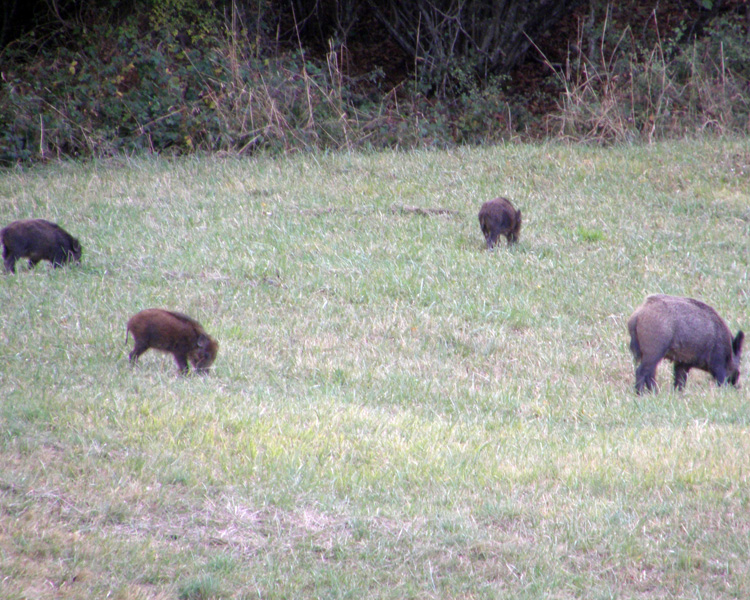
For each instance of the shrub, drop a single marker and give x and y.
(180, 78)
(628, 91)
(138, 87)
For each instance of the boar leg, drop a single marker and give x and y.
(10, 263)
(680, 375)
(488, 235)
(60, 258)
(138, 349)
(645, 375)
(720, 374)
(182, 365)
(9, 258)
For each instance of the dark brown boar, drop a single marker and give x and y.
(37, 239)
(175, 333)
(498, 217)
(687, 332)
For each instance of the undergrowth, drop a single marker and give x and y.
(616, 88)
(175, 83)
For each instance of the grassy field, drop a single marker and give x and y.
(394, 411)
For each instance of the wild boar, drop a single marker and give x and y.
(37, 239)
(687, 332)
(498, 217)
(175, 333)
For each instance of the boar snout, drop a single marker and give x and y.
(204, 355)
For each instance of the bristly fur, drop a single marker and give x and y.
(498, 217)
(37, 240)
(688, 332)
(172, 332)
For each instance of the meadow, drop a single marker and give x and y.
(394, 411)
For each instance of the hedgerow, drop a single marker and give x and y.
(179, 79)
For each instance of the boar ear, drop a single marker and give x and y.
(737, 343)
(202, 341)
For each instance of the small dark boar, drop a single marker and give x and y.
(37, 239)
(498, 217)
(175, 333)
(687, 332)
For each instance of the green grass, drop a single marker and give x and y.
(394, 411)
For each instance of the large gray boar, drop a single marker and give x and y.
(687, 332)
(498, 217)
(37, 239)
(175, 333)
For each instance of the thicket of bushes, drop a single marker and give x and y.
(181, 81)
(671, 85)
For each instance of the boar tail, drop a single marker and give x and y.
(127, 334)
(635, 347)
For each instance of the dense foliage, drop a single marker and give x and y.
(96, 79)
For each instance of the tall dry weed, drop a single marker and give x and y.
(622, 92)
